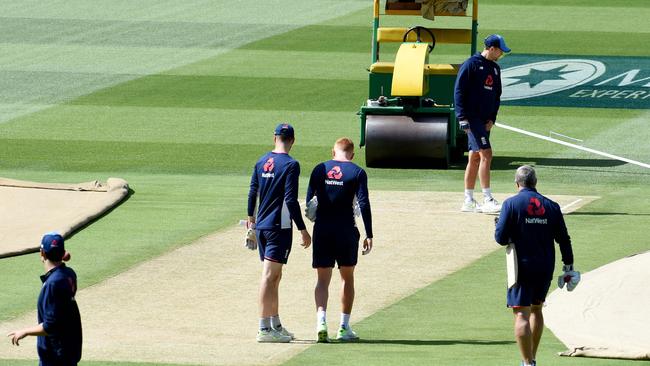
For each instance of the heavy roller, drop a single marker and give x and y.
(408, 120)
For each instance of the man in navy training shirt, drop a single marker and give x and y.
(59, 323)
(336, 183)
(477, 95)
(533, 223)
(275, 180)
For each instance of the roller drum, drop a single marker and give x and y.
(405, 142)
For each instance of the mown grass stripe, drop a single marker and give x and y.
(233, 92)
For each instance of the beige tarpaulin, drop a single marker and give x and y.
(606, 315)
(30, 209)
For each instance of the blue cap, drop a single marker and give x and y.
(53, 246)
(284, 129)
(495, 40)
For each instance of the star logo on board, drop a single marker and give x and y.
(548, 77)
(535, 76)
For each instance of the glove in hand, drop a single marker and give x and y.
(250, 241)
(570, 277)
(310, 210)
(356, 209)
(464, 125)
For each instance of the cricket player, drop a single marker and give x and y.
(335, 184)
(59, 323)
(533, 223)
(477, 95)
(275, 180)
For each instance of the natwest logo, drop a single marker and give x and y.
(268, 169)
(335, 173)
(269, 165)
(535, 207)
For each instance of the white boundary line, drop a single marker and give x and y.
(563, 208)
(542, 137)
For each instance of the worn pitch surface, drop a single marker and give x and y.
(198, 304)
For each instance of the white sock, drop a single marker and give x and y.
(275, 322)
(321, 317)
(469, 195)
(487, 193)
(345, 320)
(265, 323)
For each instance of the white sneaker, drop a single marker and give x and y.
(490, 205)
(323, 337)
(285, 332)
(347, 335)
(272, 336)
(470, 206)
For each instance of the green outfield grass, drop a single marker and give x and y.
(184, 122)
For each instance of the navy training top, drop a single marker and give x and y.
(59, 314)
(335, 184)
(275, 179)
(477, 92)
(533, 222)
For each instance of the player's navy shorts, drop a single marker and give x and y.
(527, 294)
(478, 138)
(274, 245)
(335, 244)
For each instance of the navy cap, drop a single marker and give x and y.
(495, 40)
(284, 129)
(53, 246)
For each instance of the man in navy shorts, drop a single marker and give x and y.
(275, 181)
(533, 223)
(336, 184)
(477, 96)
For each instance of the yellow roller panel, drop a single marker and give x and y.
(443, 35)
(382, 67)
(408, 74)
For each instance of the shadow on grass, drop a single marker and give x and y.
(575, 213)
(434, 342)
(513, 162)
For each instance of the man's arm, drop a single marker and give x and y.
(313, 181)
(501, 233)
(561, 236)
(17, 335)
(364, 202)
(291, 194)
(252, 195)
(460, 91)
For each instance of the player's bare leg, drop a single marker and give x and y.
(536, 326)
(347, 289)
(347, 300)
(321, 292)
(523, 333)
(472, 169)
(271, 275)
(321, 295)
(485, 161)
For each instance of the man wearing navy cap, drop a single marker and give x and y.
(477, 95)
(275, 180)
(59, 323)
